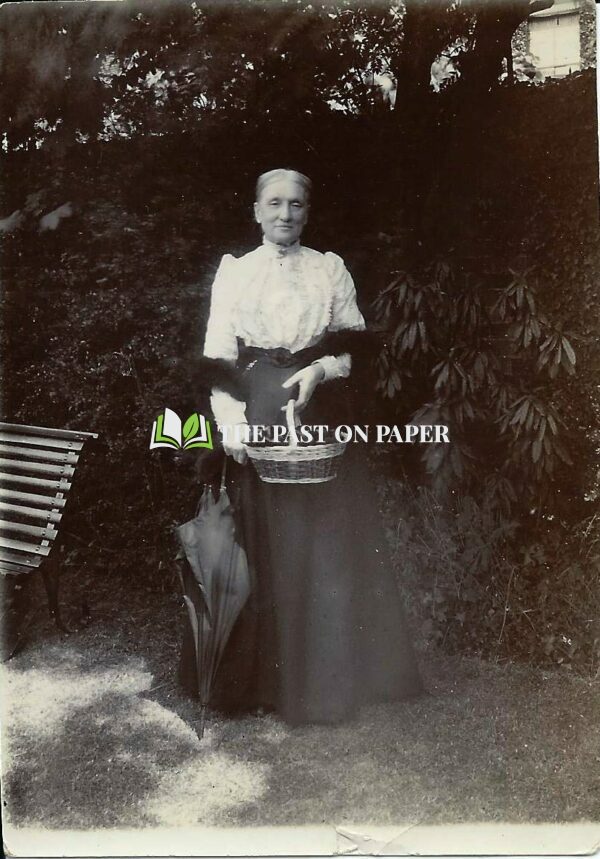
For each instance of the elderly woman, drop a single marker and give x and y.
(324, 631)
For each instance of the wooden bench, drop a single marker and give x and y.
(37, 465)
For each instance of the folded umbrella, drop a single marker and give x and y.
(219, 568)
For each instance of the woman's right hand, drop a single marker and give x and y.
(234, 446)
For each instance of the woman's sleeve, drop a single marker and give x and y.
(344, 314)
(221, 341)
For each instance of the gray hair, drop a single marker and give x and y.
(280, 173)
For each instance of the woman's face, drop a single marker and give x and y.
(282, 211)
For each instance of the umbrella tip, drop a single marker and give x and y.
(207, 737)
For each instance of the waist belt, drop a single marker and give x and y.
(277, 357)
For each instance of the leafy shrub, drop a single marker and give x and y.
(509, 361)
(470, 584)
(480, 358)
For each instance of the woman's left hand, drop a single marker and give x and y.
(307, 380)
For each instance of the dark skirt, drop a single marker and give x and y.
(323, 632)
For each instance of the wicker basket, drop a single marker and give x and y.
(290, 463)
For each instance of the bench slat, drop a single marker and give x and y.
(76, 435)
(33, 453)
(39, 500)
(13, 569)
(31, 512)
(41, 460)
(62, 485)
(40, 467)
(34, 530)
(30, 561)
(30, 548)
(41, 441)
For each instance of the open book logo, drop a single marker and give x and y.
(167, 431)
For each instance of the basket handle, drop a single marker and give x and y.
(290, 419)
(222, 487)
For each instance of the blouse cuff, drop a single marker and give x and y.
(335, 367)
(227, 410)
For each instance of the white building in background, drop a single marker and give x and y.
(562, 39)
(552, 43)
(554, 39)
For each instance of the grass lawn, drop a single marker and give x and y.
(97, 734)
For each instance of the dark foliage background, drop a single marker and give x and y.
(469, 218)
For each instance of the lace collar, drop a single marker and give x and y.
(280, 251)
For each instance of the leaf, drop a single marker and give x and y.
(566, 364)
(520, 293)
(569, 351)
(191, 426)
(521, 413)
(398, 333)
(563, 454)
(542, 429)
(442, 378)
(529, 421)
(412, 334)
(530, 300)
(558, 354)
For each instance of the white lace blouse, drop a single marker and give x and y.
(278, 297)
